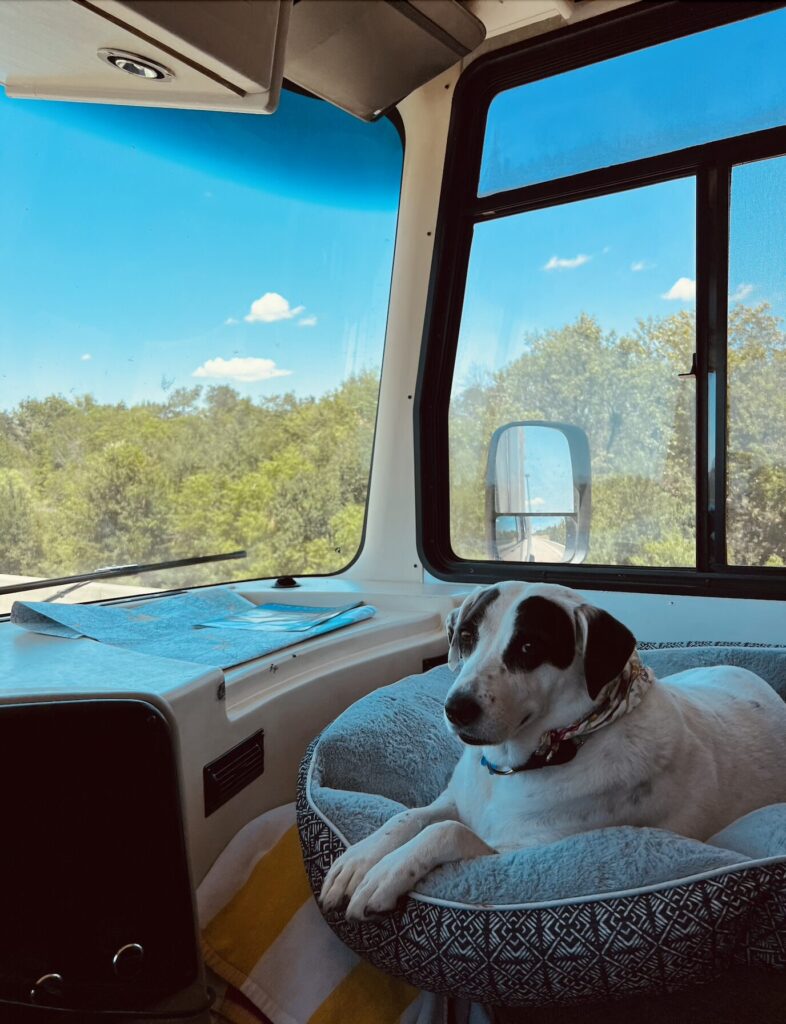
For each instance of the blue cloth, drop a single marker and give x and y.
(172, 627)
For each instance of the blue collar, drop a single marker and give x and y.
(561, 754)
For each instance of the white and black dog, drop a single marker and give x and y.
(566, 731)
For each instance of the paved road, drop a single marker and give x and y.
(542, 548)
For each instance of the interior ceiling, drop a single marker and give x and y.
(501, 16)
(504, 19)
(48, 47)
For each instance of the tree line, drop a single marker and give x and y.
(626, 392)
(85, 484)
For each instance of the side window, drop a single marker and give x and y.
(193, 317)
(610, 263)
(756, 483)
(567, 317)
(687, 92)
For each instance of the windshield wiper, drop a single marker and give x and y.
(108, 571)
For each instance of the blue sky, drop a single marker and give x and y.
(149, 249)
(619, 258)
(715, 84)
(615, 257)
(631, 255)
(143, 250)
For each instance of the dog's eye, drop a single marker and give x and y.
(466, 636)
(527, 646)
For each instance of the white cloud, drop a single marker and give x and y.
(741, 293)
(230, 320)
(270, 308)
(247, 369)
(683, 289)
(307, 321)
(86, 357)
(640, 265)
(562, 263)
(537, 502)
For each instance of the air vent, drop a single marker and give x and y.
(233, 771)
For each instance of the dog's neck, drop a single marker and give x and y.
(560, 745)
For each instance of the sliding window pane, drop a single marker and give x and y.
(712, 85)
(582, 314)
(756, 484)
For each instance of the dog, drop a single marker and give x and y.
(564, 731)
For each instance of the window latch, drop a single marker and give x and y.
(693, 372)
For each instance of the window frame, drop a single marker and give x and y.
(711, 164)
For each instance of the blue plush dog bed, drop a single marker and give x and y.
(604, 914)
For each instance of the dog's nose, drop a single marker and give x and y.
(462, 710)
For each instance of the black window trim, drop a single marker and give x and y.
(711, 164)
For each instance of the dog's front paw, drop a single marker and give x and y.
(382, 887)
(346, 874)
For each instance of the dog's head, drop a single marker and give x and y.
(532, 657)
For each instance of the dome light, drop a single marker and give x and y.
(133, 64)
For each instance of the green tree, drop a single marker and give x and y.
(116, 509)
(625, 393)
(20, 537)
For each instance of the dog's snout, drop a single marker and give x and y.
(462, 710)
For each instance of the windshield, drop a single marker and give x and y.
(194, 309)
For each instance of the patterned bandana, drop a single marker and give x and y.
(617, 698)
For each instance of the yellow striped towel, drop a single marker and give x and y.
(263, 934)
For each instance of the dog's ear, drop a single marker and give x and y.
(607, 646)
(453, 651)
(463, 623)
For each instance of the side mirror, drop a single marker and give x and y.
(538, 495)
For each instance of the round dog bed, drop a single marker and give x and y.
(605, 914)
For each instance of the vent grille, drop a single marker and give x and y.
(233, 771)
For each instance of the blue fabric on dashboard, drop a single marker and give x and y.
(172, 627)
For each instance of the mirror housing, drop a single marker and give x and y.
(538, 473)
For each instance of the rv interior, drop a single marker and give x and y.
(353, 305)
